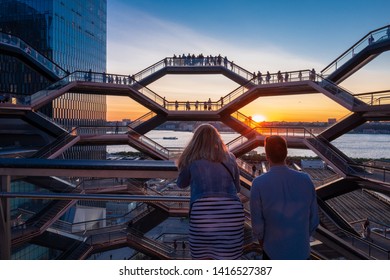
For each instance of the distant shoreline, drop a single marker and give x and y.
(372, 132)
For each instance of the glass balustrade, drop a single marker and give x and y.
(378, 35)
(13, 41)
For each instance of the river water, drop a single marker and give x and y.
(373, 146)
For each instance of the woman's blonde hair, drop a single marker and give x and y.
(205, 144)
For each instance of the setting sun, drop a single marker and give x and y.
(258, 118)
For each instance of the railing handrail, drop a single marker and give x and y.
(383, 172)
(252, 78)
(99, 77)
(242, 163)
(337, 90)
(168, 61)
(52, 121)
(260, 130)
(103, 77)
(246, 120)
(370, 244)
(374, 221)
(145, 70)
(364, 38)
(120, 217)
(56, 143)
(370, 166)
(29, 50)
(141, 119)
(286, 76)
(347, 165)
(155, 146)
(375, 97)
(153, 244)
(358, 238)
(306, 134)
(141, 138)
(255, 125)
(82, 183)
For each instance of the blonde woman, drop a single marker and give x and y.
(216, 213)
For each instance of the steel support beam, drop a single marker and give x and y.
(89, 168)
(102, 197)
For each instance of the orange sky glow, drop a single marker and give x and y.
(118, 110)
(308, 108)
(292, 108)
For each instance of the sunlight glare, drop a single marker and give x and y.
(258, 118)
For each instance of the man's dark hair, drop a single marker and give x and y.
(276, 148)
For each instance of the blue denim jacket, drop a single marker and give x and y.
(208, 178)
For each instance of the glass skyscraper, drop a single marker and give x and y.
(72, 33)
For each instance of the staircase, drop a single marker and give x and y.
(61, 143)
(358, 55)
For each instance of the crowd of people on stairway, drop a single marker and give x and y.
(196, 105)
(198, 60)
(280, 77)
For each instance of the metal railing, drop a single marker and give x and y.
(372, 37)
(248, 121)
(321, 144)
(148, 243)
(197, 105)
(113, 130)
(376, 227)
(208, 105)
(164, 152)
(141, 119)
(244, 165)
(89, 76)
(171, 205)
(258, 79)
(369, 248)
(375, 98)
(39, 220)
(191, 61)
(52, 121)
(373, 172)
(339, 92)
(83, 227)
(11, 40)
(237, 142)
(60, 141)
(299, 132)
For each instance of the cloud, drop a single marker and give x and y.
(137, 40)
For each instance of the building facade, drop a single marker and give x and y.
(71, 33)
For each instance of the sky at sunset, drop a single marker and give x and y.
(256, 35)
